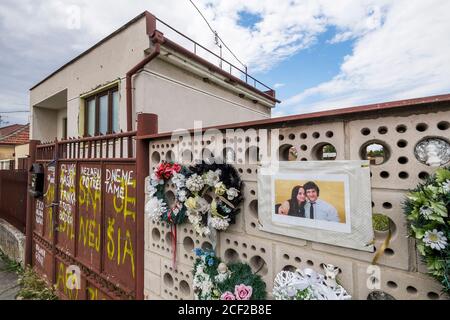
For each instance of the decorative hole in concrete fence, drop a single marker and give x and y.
(375, 151)
(324, 151)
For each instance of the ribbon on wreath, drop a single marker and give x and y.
(173, 232)
(383, 247)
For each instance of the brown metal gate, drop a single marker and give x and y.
(87, 217)
(13, 200)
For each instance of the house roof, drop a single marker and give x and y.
(7, 130)
(16, 134)
(151, 22)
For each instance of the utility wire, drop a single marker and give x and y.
(216, 34)
(15, 111)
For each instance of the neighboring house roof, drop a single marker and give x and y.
(151, 22)
(7, 130)
(21, 134)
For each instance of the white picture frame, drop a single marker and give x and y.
(347, 183)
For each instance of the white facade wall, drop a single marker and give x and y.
(178, 96)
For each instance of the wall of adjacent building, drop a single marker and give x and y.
(21, 151)
(6, 151)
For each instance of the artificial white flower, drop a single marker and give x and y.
(202, 205)
(306, 284)
(206, 285)
(212, 177)
(152, 190)
(220, 188)
(199, 269)
(435, 239)
(232, 193)
(219, 223)
(426, 211)
(195, 183)
(154, 181)
(181, 195)
(193, 219)
(221, 277)
(155, 208)
(179, 180)
(446, 186)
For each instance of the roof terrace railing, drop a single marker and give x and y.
(222, 63)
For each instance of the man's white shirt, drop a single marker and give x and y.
(322, 211)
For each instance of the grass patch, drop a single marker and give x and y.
(32, 287)
(10, 265)
(380, 222)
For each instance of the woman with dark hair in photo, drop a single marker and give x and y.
(295, 206)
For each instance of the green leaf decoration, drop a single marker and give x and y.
(439, 208)
(442, 175)
(419, 233)
(431, 194)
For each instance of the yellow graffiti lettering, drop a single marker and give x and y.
(127, 245)
(110, 233)
(94, 239)
(89, 197)
(92, 293)
(128, 250)
(89, 232)
(123, 207)
(49, 196)
(118, 247)
(61, 276)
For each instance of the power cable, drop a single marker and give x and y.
(216, 35)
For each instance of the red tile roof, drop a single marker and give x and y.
(6, 131)
(15, 134)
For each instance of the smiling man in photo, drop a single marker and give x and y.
(316, 208)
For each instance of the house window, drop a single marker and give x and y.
(102, 113)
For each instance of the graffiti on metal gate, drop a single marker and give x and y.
(120, 217)
(39, 215)
(89, 214)
(67, 203)
(49, 197)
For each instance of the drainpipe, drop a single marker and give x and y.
(157, 40)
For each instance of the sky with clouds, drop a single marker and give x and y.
(317, 54)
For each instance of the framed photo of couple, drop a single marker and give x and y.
(321, 201)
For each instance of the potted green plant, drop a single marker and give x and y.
(381, 225)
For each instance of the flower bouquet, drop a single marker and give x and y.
(214, 280)
(307, 284)
(427, 208)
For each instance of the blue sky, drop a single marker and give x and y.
(318, 54)
(305, 69)
(309, 67)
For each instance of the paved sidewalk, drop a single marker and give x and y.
(8, 284)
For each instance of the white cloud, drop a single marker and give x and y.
(405, 57)
(400, 47)
(278, 85)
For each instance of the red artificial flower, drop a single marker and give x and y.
(160, 170)
(176, 167)
(168, 171)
